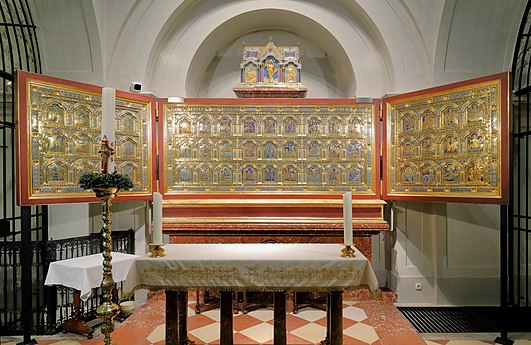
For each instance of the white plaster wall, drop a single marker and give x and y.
(361, 48)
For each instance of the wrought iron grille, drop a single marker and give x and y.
(519, 246)
(21, 228)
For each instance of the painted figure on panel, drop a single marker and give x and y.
(408, 174)
(249, 150)
(128, 122)
(82, 145)
(354, 150)
(313, 125)
(186, 174)
(205, 151)
(354, 126)
(451, 173)
(291, 74)
(450, 116)
(81, 116)
(334, 150)
(270, 151)
(249, 126)
(408, 123)
(225, 126)
(407, 148)
(427, 147)
(290, 126)
(475, 172)
(205, 126)
(475, 143)
(428, 120)
(249, 175)
(225, 150)
(225, 175)
(250, 74)
(451, 145)
(270, 71)
(270, 174)
(475, 113)
(270, 126)
(334, 175)
(314, 174)
(428, 174)
(289, 174)
(185, 151)
(354, 175)
(184, 127)
(205, 174)
(314, 150)
(334, 126)
(290, 150)
(55, 113)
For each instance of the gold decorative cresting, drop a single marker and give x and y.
(348, 252)
(156, 250)
(108, 310)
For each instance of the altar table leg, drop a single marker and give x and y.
(76, 323)
(172, 312)
(226, 327)
(279, 302)
(182, 303)
(336, 317)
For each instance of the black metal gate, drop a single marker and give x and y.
(519, 211)
(21, 228)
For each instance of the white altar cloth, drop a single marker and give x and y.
(260, 267)
(85, 272)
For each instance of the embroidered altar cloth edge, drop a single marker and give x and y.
(254, 267)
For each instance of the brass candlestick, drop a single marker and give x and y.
(348, 252)
(156, 250)
(108, 310)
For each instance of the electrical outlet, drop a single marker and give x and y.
(418, 286)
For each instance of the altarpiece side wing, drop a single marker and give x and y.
(448, 143)
(59, 136)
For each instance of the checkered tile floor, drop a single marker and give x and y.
(364, 323)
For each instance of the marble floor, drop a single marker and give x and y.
(364, 323)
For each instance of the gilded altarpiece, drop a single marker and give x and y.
(448, 143)
(270, 148)
(60, 136)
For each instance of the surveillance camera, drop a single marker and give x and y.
(136, 86)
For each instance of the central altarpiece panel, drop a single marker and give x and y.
(268, 169)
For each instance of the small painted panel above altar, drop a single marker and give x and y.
(270, 71)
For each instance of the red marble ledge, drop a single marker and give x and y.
(281, 233)
(271, 208)
(270, 92)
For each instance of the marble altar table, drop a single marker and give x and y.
(250, 267)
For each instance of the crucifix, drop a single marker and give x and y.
(107, 153)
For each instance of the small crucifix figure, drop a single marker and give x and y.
(107, 153)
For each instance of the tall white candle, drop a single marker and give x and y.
(107, 122)
(156, 237)
(347, 218)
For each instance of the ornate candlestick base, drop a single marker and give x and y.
(156, 250)
(348, 252)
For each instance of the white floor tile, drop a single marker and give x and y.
(261, 333)
(311, 332)
(353, 313)
(311, 314)
(157, 334)
(362, 332)
(207, 333)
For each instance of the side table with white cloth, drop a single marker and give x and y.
(83, 274)
(250, 267)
